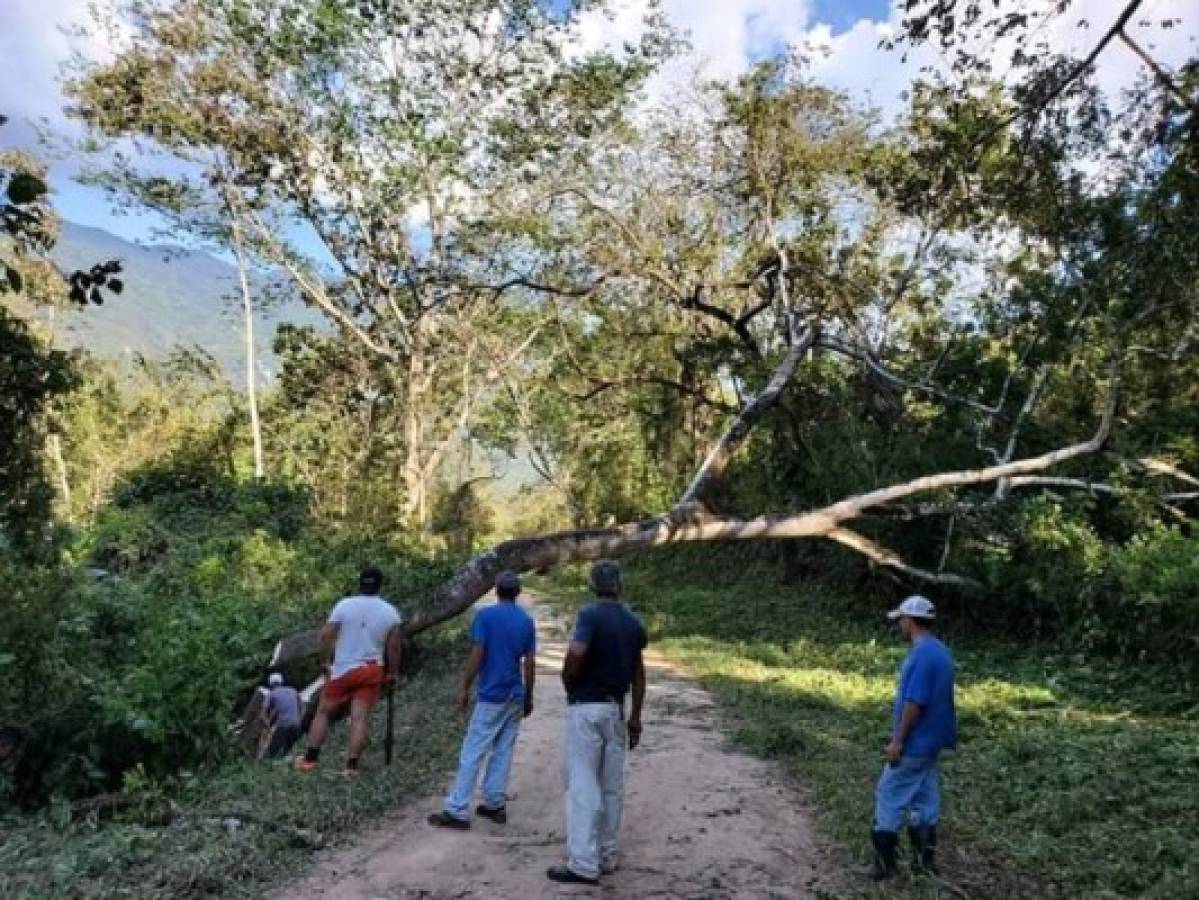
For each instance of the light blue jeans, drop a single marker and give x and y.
(593, 754)
(910, 786)
(493, 729)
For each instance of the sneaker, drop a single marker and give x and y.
(565, 875)
(499, 815)
(305, 765)
(445, 820)
(351, 772)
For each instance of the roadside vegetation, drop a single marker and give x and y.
(1075, 775)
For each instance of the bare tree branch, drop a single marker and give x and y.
(868, 359)
(718, 457)
(1159, 73)
(884, 556)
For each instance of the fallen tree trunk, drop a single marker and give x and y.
(689, 522)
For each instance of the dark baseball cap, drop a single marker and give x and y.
(371, 579)
(507, 583)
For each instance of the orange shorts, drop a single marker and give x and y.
(363, 683)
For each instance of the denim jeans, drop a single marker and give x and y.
(593, 767)
(493, 729)
(911, 785)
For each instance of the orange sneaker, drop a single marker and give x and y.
(305, 765)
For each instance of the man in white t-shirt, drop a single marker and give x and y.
(360, 653)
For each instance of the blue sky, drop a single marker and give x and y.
(727, 37)
(34, 44)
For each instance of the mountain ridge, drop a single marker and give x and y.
(173, 296)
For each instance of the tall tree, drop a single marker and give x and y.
(365, 141)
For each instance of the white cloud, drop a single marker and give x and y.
(856, 64)
(36, 38)
(726, 36)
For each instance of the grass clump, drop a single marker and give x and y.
(1075, 776)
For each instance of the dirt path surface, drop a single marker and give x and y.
(700, 821)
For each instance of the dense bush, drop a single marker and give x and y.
(147, 665)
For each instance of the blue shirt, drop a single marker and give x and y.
(506, 633)
(926, 678)
(614, 638)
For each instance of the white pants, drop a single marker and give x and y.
(593, 769)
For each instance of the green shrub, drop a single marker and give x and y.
(145, 668)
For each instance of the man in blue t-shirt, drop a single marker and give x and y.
(502, 635)
(923, 724)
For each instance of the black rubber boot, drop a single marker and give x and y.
(886, 847)
(924, 847)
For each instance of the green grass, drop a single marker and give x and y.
(223, 839)
(1075, 777)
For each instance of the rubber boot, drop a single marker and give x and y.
(886, 845)
(924, 847)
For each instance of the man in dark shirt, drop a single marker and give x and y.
(924, 723)
(602, 663)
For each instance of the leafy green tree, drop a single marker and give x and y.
(32, 376)
(365, 143)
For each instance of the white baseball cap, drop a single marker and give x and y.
(275, 680)
(915, 607)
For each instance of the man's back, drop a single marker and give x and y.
(507, 634)
(283, 706)
(614, 638)
(926, 677)
(364, 621)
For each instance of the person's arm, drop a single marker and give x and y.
(576, 651)
(572, 666)
(474, 662)
(530, 680)
(264, 712)
(907, 721)
(634, 723)
(395, 650)
(329, 634)
(917, 691)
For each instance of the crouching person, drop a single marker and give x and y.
(281, 717)
(361, 638)
(502, 636)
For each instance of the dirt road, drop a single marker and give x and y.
(700, 820)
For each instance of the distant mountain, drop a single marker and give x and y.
(172, 296)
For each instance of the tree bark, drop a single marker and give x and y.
(251, 355)
(54, 447)
(722, 451)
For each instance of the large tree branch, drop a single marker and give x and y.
(722, 451)
(868, 359)
(884, 556)
(477, 577)
(315, 290)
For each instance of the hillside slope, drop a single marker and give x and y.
(172, 296)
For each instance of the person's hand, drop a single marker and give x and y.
(389, 681)
(893, 750)
(634, 733)
(463, 700)
(528, 707)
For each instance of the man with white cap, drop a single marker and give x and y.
(282, 714)
(924, 724)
